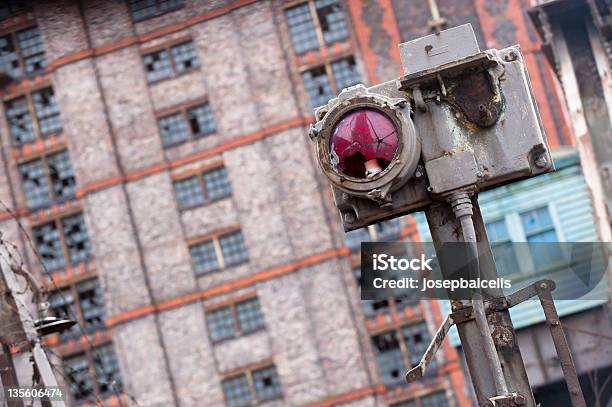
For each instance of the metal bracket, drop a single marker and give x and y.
(542, 289)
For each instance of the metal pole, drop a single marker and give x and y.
(462, 207)
(17, 306)
(445, 227)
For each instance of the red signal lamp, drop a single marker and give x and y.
(363, 143)
(366, 143)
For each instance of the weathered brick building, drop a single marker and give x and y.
(156, 152)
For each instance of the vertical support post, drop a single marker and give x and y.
(445, 227)
(8, 375)
(561, 345)
(23, 319)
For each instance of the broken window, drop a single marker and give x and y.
(239, 392)
(317, 86)
(332, 20)
(47, 112)
(62, 306)
(201, 120)
(267, 385)
(107, 370)
(157, 65)
(20, 113)
(68, 235)
(345, 73)
(308, 22)
(49, 245)
(143, 9)
(35, 184)
(102, 361)
(32, 50)
(190, 123)
(22, 53)
(20, 121)
(62, 176)
(55, 170)
(321, 87)
(79, 377)
(184, 56)
(83, 302)
(9, 60)
(77, 241)
(417, 340)
(91, 300)
(390, 359)
(170, 61)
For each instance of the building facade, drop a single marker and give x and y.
(155, 153)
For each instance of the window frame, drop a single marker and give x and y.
(403, 347)
(44, 158)
(516, 233)
(199, 175)
(90, 355)
(167, 47)
(215, 239)
(73, 288)
(314, 15)
(329, 73)
(38, 135)
(248, 372)
(239, 332)
(157, 13)
(184, 112)
(59, 225)
(19, 53)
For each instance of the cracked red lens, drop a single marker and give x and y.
(363, 143)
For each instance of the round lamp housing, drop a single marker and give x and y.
(367, 144)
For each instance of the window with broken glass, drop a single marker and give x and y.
(235, 320)
(316, 23)
(33, 116)
(400, 349)
(143, 9)
(187, 124)
(22, 53)
(62, 242)
(171, 61)
(83, 302)
(48, 180)
(326, 81)
(252, 387)
(94, 374)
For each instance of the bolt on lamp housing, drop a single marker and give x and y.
(366, 143)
